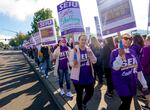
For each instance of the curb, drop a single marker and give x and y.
(61, 103)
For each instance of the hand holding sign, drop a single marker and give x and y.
(121, 48)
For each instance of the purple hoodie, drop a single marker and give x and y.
(145, 59)
(125, 77)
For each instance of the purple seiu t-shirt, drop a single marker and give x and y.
(63, 59)
(85, 76)
(125, 78)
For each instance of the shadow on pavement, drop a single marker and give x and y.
(16, 77)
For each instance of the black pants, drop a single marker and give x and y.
(126, 102)
(99, 71)
(89, 90)
(108, 80)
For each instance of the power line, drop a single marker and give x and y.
(9, 30)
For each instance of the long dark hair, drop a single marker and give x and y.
(138, 40)
(109, 42)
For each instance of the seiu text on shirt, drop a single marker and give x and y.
(129, 63)
(63, 54)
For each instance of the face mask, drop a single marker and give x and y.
(63, 44)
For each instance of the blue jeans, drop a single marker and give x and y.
(61, 74)
(47, 65)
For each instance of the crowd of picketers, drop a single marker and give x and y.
(125, 69)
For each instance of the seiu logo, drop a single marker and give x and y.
(83, 56)
(129, 63)
(63, 54)
(84, 60)
(68, 4)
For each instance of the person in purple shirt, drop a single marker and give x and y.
(138, 43)
(82, 73)
(62, 66)
(145, 62)
(125, 71)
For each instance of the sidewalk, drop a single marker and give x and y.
(98, 101)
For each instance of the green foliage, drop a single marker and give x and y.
(38, 16)
(6, 46)
(42, 15)
(1, 44)
(18, 40)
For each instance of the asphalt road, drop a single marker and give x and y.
(20, 88)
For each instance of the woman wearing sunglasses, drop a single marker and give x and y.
(125, 69)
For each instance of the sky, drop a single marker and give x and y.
(17, 15)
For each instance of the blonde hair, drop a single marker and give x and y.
(126, 34)
(148, 37)
(95, 42)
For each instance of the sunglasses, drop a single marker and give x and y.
(126, 38)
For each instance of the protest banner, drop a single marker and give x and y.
(115, 15)
(37, 38)
(70, 19)
(149, 14)
(88, 32)
(97, 25)
(47, 31)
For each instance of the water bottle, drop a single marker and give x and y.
(121, 44)
(75, 56)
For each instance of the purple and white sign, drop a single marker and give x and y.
(149, 15)
(37, 38)
(70, 19)
(45, 23)
(88, 32)
(97, 25)
(115, 15)
(24, 44)
(47, 31)
(31, 41)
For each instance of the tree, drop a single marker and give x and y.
(1, 44)
(13, 43)
(42, 15)
(6, 46)
(18, 40)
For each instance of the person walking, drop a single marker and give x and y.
(145, 62)
(97, 50)
(46, 58)
(106, 51)
(61, 55)
(82, 72)
(125, 71)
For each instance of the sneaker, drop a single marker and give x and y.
(69, 94)
(109, 95)
(145, 107)
(84, 107)
(46, 77)
(141, 97)
(62, 92)
(43, 75)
